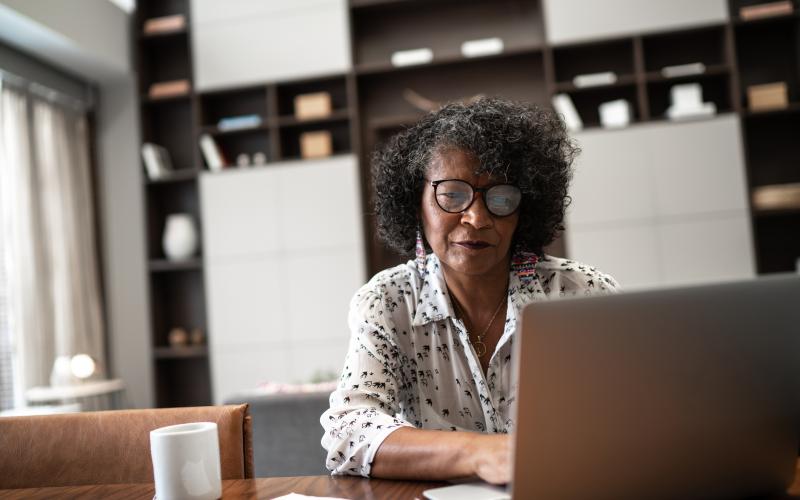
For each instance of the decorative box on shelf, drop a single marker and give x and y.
(767, 9)
(164, 24)
(314, 105)
(318, 144)
(777, 197)
(767, 96)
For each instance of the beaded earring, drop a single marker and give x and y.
(524, 263)
(420, 253)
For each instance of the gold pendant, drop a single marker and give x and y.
(480, 348)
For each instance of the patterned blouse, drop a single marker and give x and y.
(410, 361)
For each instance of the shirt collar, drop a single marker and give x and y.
(433, 303)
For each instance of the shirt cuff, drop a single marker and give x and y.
(376, 443)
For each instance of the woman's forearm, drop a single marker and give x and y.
(421, 454)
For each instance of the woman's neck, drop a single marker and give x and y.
(475, 294)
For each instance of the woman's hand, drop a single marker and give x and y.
(491, 457)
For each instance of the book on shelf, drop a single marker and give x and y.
(239, 122)
(212, 155)
(157, 161)
(777, 197)
(767, 9)
(164, 24)
(566, 108)
(169, 88)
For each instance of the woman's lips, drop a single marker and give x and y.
(473, 244)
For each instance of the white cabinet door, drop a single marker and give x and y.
(699, 167)
(273, 298)
(574, 20)
(247, 42)
(662, 204)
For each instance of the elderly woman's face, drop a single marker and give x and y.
(472, 242)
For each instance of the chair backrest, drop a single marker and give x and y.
(109, 447)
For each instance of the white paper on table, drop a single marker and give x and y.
(298, 496)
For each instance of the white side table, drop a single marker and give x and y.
(93, 395)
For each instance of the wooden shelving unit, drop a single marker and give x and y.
(369, 105)
(767, 51)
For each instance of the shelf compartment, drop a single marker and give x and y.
(177, 301)
(164, 265)
(336, 86)
(182, 381)
(248, 141)
(190, 351)
(182, 175)
(164, 61)
(773, 149)
(169, 124)
(716, 89)
(596, 57)
(588, 100)
(768, 53)
(290, 138)
(519, 77)
(159, 8)
(704, 45)
(163, 200)
(215, 106)
(777, 240)
(377, 33)
(338, 115)
(441, 60)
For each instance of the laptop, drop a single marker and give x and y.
(679, 393)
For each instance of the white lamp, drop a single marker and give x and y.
(72, 370)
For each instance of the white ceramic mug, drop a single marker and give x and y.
(186, 461)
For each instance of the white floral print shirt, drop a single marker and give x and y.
(410, 362)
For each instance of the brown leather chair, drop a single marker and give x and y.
(108, 447)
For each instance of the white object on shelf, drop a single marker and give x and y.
(180, 237)
(687, 103)
(615, 114)
(565, 107)
(412, 57)
(683, 70)
(595, 79)
(211, 153)
(242, 160)
(482, 47)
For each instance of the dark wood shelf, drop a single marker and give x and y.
(178, 175)
(622, 81)
(714, 70)
(145, 99)
(776, 212)
(442, 60)
(391, 122)
(190, 351)
(792, 108)
(337, 115)
(163, 265)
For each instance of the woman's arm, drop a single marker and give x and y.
(410, 453)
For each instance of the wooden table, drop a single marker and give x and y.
(266, 488)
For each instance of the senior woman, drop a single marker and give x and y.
(477, 191)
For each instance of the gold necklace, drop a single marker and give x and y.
(477, 344)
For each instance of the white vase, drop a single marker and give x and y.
(180, 237)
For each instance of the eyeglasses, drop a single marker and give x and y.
(455, 195)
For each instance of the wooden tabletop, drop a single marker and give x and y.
(266, 488)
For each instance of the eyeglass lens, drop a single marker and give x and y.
(456, 196)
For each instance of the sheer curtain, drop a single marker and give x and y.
(48, 234)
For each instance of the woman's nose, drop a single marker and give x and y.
(477, 215)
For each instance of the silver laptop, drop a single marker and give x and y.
(681, 393)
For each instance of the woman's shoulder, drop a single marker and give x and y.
(567, 276)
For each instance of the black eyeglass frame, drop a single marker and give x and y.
(483, 191)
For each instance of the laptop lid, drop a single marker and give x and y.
(681, 393)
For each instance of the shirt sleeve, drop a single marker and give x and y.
(364, 407)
